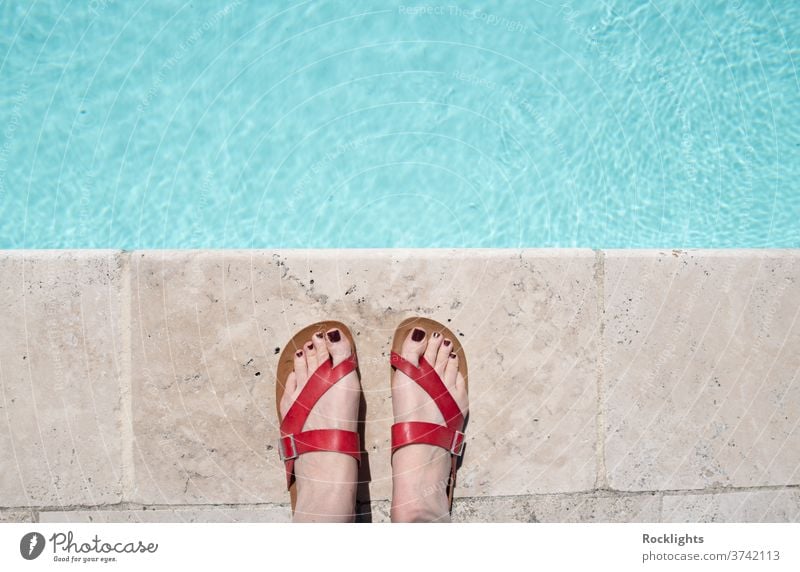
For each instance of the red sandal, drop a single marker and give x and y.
(294, 441)
(449, 436)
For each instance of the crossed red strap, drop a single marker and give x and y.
(295, 442)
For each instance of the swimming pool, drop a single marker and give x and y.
(389, 124)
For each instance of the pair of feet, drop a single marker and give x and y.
(327, 481)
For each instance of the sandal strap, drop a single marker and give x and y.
(427, 378)
(421, 432)
(294, 441)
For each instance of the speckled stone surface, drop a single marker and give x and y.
(701, 364)
(278, 513)
(61, 358)
(589, 507)
(16, 515)
(744, 506)
(611, 386)
(207, 327)
(575, 507)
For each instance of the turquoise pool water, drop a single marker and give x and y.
(169, 124)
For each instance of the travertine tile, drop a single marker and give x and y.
(591, 507)
(574, 507)
(61, 353)
(16, 515)
(277, 513)
(744, 506)
(700, 378)
(206, 323)
(378, 512)
(701, 365)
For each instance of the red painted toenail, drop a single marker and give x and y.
(418, 335)
(310, 347)
(299, 354)
(319, 335)
(447, 342)
(452, 356)
(334, 336)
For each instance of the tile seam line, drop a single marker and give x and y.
(622, 493)
(601, 478)
(583, 493)
(126, 381)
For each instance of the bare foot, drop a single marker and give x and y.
(420, 473)
(326, 481)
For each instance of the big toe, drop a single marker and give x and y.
(338, 346)
(414, 345)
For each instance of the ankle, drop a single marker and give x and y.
(326, 487)
(421, 510)
(420, 478)
(325, 502)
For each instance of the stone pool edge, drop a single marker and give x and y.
(613, 496)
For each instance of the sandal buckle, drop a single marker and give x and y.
(282, 448)
(457, 446)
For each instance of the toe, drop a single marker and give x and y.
(311, 356)
(462, 398)
(289, 390)
(442, 356)
(451, 371)
(414, 345)
(300, 368)
(461, 384)
(434, 343)
(321, 348)
(338, 346)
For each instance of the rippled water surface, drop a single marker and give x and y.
(380, 124)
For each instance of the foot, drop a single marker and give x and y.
(420, 473)
(326, 481)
